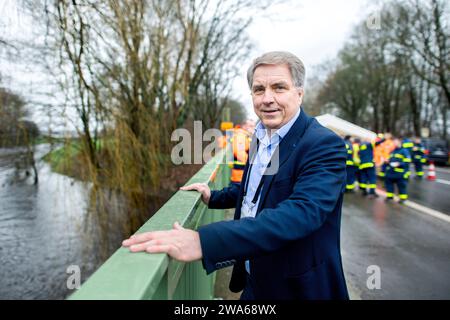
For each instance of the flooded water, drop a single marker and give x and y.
(43, 230)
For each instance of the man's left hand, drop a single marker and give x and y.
(180, 243)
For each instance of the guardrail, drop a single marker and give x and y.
(143, 276)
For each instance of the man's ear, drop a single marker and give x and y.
(301, 93)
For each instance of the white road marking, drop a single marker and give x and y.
(443, 181)
(431, 212)
(421, 208)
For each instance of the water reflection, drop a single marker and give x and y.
(379, 212)
(45, 228)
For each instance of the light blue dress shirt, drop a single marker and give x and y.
(265, 151)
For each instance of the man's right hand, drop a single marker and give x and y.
(200, 187)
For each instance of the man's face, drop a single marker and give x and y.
(275, 98)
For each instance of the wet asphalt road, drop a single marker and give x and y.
(432, 194)
(412, 250)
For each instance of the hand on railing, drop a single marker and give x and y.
(200, 187)
(179, 243)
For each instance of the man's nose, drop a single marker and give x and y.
(268, 97)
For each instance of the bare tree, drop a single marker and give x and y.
(393, 79)
(133, 71)
(422, 33)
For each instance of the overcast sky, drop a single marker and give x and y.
(314, 30)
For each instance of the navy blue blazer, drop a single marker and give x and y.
(293, 243)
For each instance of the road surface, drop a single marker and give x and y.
(410, 247)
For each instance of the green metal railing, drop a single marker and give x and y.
(140, 276)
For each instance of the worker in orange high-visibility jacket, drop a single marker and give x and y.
(377, 151)
(385, 150)
(227, 128)
(240, 143)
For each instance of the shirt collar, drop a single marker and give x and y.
(261, 131)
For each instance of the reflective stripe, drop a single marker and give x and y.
(389, 194)
(349, 152)
(350, 163)
(398, 155)
(407, 160)
(381, 174)
(363, 185)
(366, 165)
(423, 160)
(420, 173)
(403, 196)
(350, 186)
(399, 170)
(406, 175)
(372, 186)
(417, 157)
(408, 145)
(363, 147)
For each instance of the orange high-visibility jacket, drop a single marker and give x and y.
(240, 144)
(383, 151)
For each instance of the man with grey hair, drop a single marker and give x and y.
(284, 239)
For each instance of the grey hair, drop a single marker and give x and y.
(296, 66)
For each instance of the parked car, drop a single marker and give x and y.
(436, 150)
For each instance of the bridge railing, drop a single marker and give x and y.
(141, 276)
